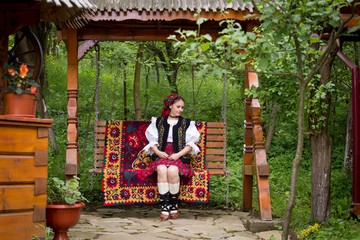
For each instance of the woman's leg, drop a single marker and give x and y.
(162, 176)
(163, 187)
(174, 187)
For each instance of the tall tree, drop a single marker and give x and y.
(168, 53)
(125, 92)
(137, 77)
(271, 128)
(320, 140)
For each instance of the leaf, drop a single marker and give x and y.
(190, 40)
(201, 21)
(296, 18)
(70, 199)
(251, 35)
(314, 39)
(263, 63)
(205, 46)
(242, 39)
(18, 90)
(207, 37)
(249, 16)
(354, 29)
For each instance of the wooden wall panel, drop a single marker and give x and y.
(11, 223)
(23, 176)
(20, 140)
(12, 197)
(20, 169)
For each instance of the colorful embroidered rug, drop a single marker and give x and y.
(122, 181)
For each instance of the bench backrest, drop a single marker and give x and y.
(215, 147)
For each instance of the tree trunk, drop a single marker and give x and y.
(321, 176)
(271, 128)
(157, 71)
(147, 93)
(125, 94)
(137, 83)
(114, 97)
(167, 58)
(193, 90)
(42, 31)
(297, 159)
(348, 159)
(321, 150)
(172, 81)
(41, 106)
(54, 44)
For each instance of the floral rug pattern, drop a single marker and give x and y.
(122, 179)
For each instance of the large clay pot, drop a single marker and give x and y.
(19, 105)
(62, 217)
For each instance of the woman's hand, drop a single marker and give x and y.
(174, 156)
(163, 155)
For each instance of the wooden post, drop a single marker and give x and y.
(255, 163)
(4, 38)
(261, 168)
(72, 166)
(248, 154)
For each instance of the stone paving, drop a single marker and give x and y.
(143, 222)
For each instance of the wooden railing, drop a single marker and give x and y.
(255, 163)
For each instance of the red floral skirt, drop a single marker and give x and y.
(184, 168)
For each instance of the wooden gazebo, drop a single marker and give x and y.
(120, 20)
(90, 21)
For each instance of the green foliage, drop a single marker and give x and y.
(317, 106)
(66, 193)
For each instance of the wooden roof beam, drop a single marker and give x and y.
(169, 15)
(127, 34)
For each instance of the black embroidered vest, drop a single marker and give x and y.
(179, 135)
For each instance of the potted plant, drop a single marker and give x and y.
(20, 90)
(64, 205)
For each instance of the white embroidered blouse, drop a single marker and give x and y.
(152, 135)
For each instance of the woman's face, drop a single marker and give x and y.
(177, 108)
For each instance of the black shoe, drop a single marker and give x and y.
(165, 202)
(174, 210)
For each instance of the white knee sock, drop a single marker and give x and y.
(163, 187)
(174, 187)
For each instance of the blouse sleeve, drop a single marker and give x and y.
(152, 136)
(192, 137)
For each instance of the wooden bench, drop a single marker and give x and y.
(215, 147)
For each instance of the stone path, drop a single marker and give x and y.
(143, 222)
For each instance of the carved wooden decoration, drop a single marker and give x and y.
(248, 155)
(255, 163)
(72, 107)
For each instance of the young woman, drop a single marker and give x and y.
(171, 139)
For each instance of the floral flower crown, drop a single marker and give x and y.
(167, 102)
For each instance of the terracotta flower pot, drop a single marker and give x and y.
(33, 111)
(19, 105)
(62, 217)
